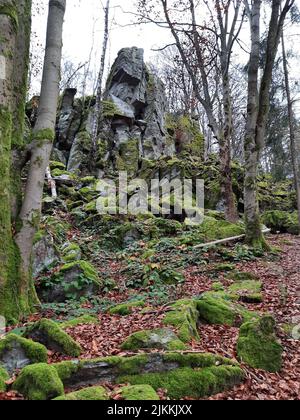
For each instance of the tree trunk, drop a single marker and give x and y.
(98, 110)
(254, 236)
(292, 126)
(43, 136)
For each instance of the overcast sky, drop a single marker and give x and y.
(83, 33)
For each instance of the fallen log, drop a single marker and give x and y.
(226, 240)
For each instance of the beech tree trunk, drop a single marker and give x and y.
(97, 112)
(258, 109)
(294, 139)
(43, 136)
(15, 28)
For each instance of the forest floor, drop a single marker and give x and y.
(281, 289)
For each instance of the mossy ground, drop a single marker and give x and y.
(126, 308)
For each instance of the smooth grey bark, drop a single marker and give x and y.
(43, 134)
(258, 108)
(294, 139)
(98, 107)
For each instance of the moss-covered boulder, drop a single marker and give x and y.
(126, 308)
(4, 376)
(249, 291)
(183, 374)
(71, 252)
(95, 393)
(39, 382)
(51, 335)
(217, 308)
(73, 281)
(44, 253)
(82, 320)
(17, 352)
(281, 221)
(139, 393)
(163, 339)
(258, 346)
(183, 315)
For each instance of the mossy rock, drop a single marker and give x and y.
(281, 221)
(249, 291)
(51, 335)
(163, 339)
(258, 346)
(214, 308)
(17, 352)
(224, 267)
(126, 308)
(39, 382)
(82, 320)
(116, 369)
(4, 376)
(183, 315)
(95, 393)
(139, 393)
(188, 382)
(57, 165)
(74, 280)
(240, 276)
(71, 253)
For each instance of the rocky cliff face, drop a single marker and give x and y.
(136, 126)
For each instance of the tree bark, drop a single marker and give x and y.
(98, 110)
(43, 136)
(292, 126)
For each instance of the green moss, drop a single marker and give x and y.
(10, 11)
(35, 352)
(39, 382)
(187, 382)
(128, 157)
(96, 393)
(248, 291)
(215, 309)
(242, 276)
(281, 221)
(218, 287)
(159, 339)
(66, 369)
(126, 308)
(184, 316)
(85, 267)
(257, 345)
(139, 393)
(83, 320)
(46, 134)
(224, 267)
(57, 165)
(50, 334)
(3, 378)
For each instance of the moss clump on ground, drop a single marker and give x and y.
(126, 308)
(139, 393)
(82, 320)
(39, 382)
(53, 337)
(242, 276)
(184, 316)
(257, 345)
(224, 267)
(188, 382)
(215, 309)
(96, 393)
(35, 352)
(247, 291)
(153, 339)
(3, 378)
